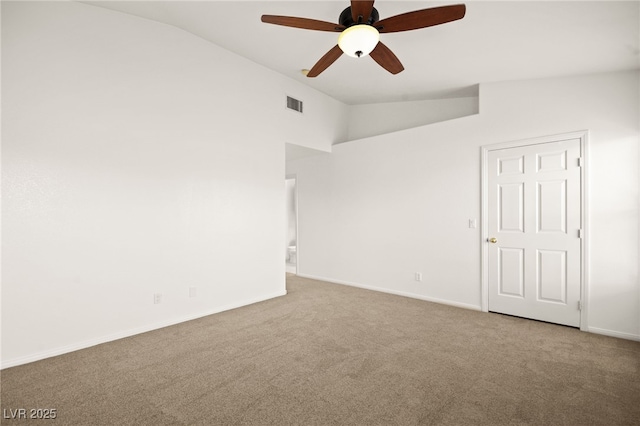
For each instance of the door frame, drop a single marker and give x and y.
(287, 177)
(584, 218)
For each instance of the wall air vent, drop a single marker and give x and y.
(294, 104)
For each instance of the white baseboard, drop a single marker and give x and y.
(595, 330)
(612, 333)
(131, 332)
(397, 293)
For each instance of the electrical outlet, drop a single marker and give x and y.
(192, 292)
(418, 276)
(157, 298)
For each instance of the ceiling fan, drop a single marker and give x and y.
(360, 27)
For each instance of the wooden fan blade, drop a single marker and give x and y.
(361, 8)
(386, 58)
(330, 57)
(304, 23)
(421, 18)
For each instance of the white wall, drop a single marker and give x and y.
(291, 238)
(392, 205)
(137, 159)
(377, 119)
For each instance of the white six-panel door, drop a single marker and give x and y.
(534, 226)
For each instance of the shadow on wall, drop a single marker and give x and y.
(378, 119)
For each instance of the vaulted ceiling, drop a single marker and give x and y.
(495, 41)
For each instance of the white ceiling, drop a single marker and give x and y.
(495, 41)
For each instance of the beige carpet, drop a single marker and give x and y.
(327, 354)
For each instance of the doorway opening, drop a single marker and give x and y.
(291, 238)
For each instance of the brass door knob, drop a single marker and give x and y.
(493, 240)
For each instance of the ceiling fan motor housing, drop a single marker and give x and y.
(346, 18)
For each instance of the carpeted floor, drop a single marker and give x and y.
(328, 354)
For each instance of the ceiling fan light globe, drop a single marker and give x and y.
(358, 40)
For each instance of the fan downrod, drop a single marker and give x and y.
(346, 18)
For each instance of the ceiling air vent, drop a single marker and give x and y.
(294, 104)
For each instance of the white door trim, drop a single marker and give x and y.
(584, 261)
(295, 191)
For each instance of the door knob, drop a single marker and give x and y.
(493, 240)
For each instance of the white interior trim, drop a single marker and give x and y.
(295, 201)
(394, 292)
(131, 332)
(612, 333)
(484, 272)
